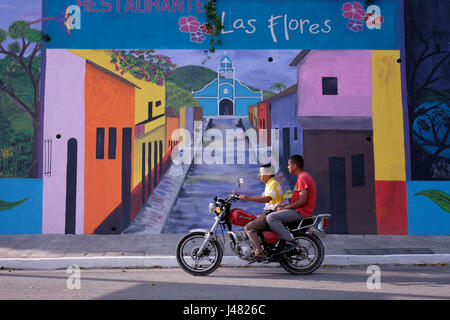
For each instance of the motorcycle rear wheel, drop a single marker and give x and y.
(294, 264)
(202, 265)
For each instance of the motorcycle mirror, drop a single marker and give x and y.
(241, 182)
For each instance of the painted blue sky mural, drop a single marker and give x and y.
(252, 66)
(30, 10)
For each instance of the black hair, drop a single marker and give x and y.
(298, 160)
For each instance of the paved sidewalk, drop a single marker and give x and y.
(109, 251)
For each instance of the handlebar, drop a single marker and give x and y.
(234, 196)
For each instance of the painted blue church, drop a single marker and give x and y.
(226, 96)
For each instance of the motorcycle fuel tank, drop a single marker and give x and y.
(240, 217)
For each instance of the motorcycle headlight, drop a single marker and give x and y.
(212, 207)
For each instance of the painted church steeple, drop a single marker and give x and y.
(226, 70)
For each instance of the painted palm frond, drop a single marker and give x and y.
(439, 197)
(280, 86)
(6, 205)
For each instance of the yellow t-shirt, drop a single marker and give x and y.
(273, 190)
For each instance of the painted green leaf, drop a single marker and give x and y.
(5, 205)
(441, 198)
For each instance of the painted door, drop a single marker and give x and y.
(144, 198)
(149, 160)
(71, 186)
(126, 176)
(226, 107)
(338, 203)
(155, 164)
(160, 173)
(286, 153)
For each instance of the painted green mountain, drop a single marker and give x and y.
(177, 97)
(191, 77)
(441, 198)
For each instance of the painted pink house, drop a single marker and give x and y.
(334, 109)
(334, 83)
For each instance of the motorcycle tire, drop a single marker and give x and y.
(186, 267)
(320, 254)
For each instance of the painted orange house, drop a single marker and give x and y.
(253, 115)
(110, 107)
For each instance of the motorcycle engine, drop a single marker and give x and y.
(245, 249)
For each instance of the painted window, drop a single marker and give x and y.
(112, 138)
(100, 144)
(329, 86)
(358, 176)
(295, 134)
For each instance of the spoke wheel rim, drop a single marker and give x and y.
(189, 257)
(309, 254)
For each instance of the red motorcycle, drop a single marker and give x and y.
(200, 252)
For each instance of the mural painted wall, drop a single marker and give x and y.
(427, 115)
(90, 113)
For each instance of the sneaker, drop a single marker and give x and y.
(289, 244)
(283, 244)
(255, 259)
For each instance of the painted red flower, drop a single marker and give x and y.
(353, 11)
(188, 24)
(373, 20)
(206, 29)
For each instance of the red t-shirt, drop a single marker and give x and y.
(305, 181)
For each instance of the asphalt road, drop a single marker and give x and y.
(396, 282)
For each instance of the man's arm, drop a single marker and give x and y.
(263, 199)
(303, 197)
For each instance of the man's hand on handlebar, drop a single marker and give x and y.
(242, 197)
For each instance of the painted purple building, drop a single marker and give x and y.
(290, 136)
(64, 120)
(334, 109)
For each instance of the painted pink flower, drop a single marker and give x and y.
(353, 11)
(188, 24)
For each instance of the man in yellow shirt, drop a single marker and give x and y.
(272, 197)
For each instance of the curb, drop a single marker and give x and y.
(228, 261)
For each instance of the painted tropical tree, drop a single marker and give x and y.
(21, 59)
(143, 64)
(280, 86)
(427, 69)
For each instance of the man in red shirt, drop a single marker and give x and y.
(302, 203)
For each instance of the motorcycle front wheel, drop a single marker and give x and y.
(191, 262)
(308, 258)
